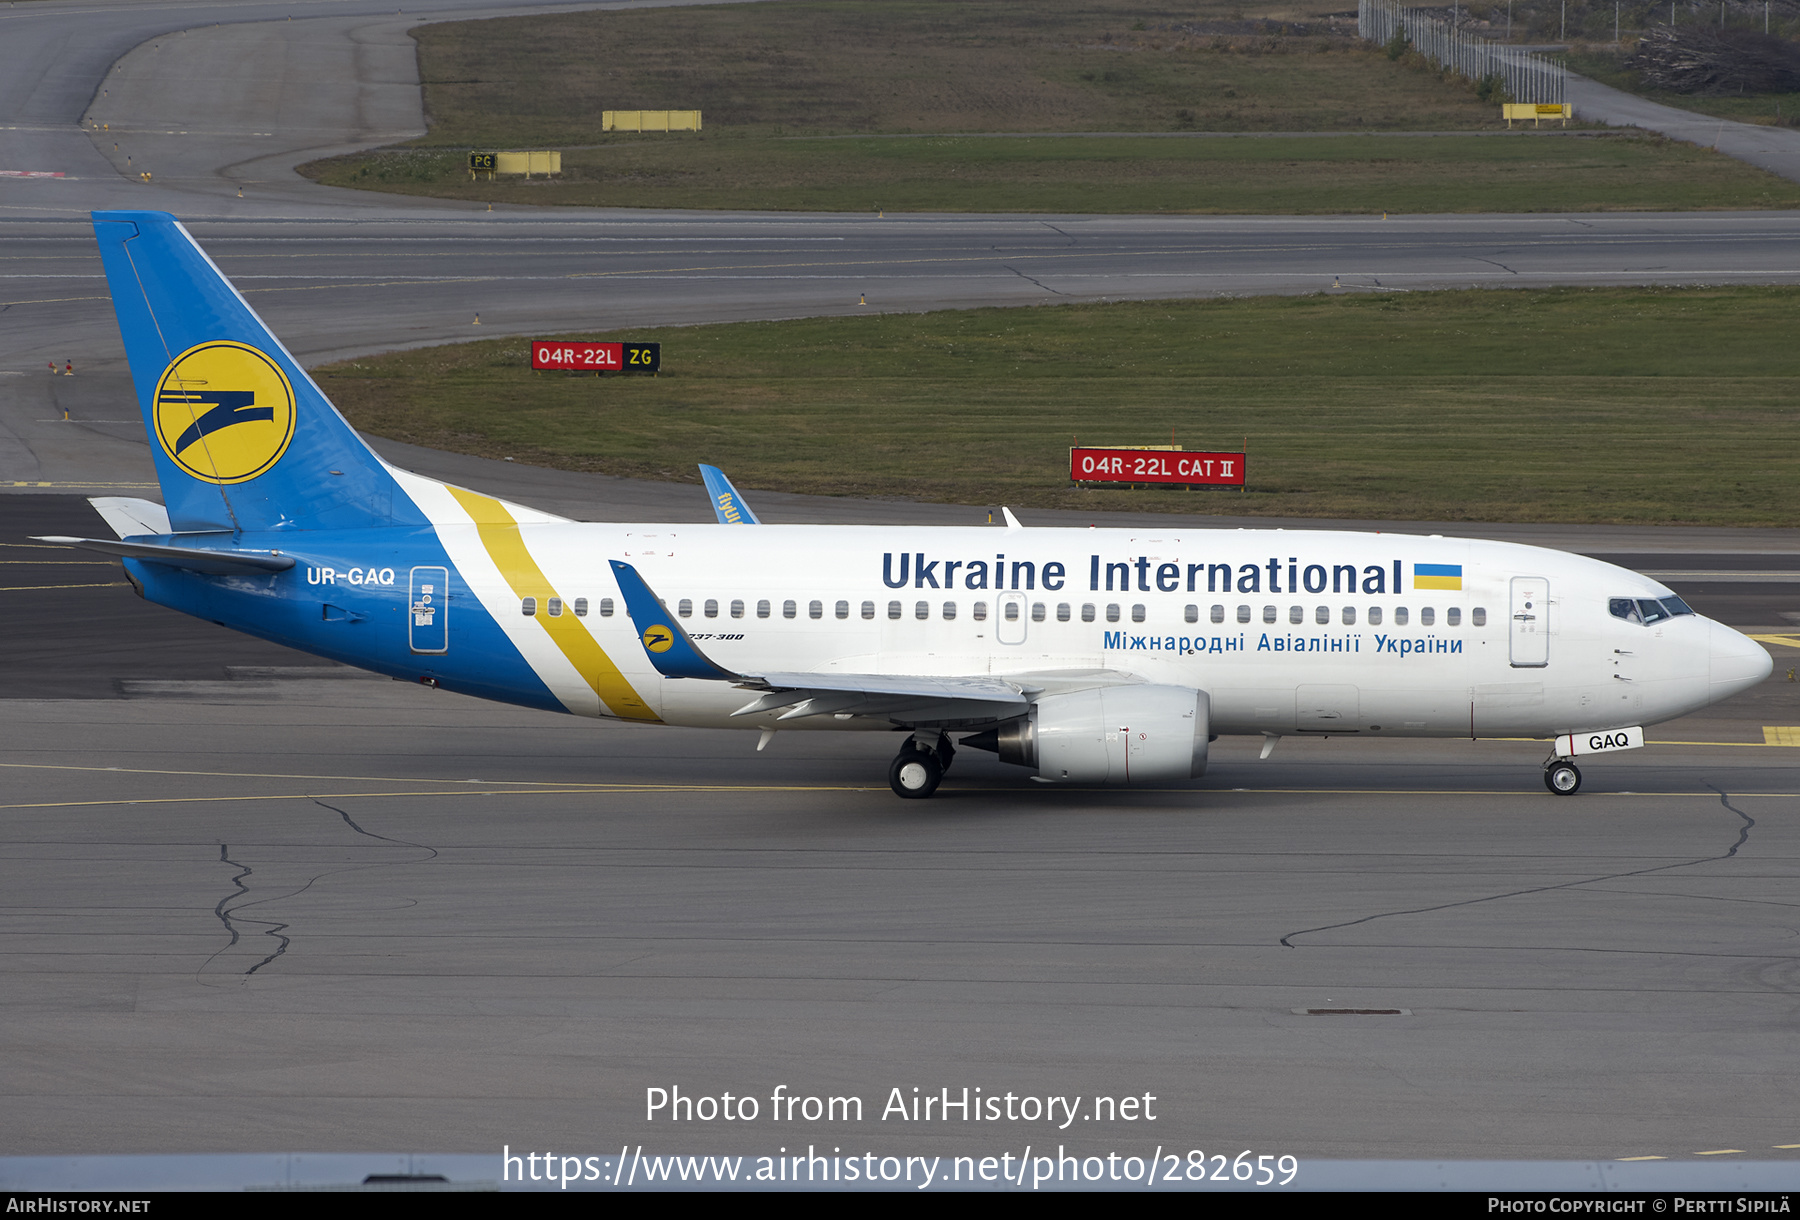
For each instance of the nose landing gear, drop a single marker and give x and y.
(920, 765)
(1562, 777)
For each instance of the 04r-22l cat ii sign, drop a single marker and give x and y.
(1085, 656)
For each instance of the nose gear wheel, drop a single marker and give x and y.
(1562, 778)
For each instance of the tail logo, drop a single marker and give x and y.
(658, 638)
(224, 412)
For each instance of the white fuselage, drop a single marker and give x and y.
(1287, 631)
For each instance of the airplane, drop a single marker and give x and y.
(1084, 656)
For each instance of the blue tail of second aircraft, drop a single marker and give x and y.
(243, 439)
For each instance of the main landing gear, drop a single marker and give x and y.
(919, 767)
(1562, 777)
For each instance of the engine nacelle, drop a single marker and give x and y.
(1109, 735)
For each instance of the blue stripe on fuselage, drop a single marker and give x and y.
(369, 626)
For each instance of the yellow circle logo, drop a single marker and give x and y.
(224, 412)
(659, 638)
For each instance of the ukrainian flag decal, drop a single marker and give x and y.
(1437, 576)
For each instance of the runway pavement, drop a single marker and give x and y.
(351, 914)
(250, 903)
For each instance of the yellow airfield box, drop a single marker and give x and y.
(649, 120)
(1536, 112)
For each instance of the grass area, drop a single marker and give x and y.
(917, 66)
(1766, 109)
(1621, 405)
(794, 92)
(1524, 172)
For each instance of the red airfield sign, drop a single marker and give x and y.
(1156, 466)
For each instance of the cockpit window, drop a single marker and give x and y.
(1646, 610)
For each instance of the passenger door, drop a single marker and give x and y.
(1530, 622)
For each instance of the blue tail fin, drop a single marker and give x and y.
(243, 439)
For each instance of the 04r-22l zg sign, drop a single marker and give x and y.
(1156, 466)
(580, 356)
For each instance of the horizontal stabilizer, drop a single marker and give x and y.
(193, 558)
(132, 518)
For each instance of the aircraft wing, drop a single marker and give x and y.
(727, 501)
(896, 696)
(907, 698)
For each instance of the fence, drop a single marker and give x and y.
(1526, 76)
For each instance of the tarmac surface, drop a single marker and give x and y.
(377, 915)
(252, 902)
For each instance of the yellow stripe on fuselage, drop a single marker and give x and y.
(500, 535)
(1453, 583)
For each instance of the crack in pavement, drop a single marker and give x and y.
(1724, 799)
(224, 916)
(1493, 263)
(225, 910)
(1038, 282)
(225, 913)
(371, 834)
